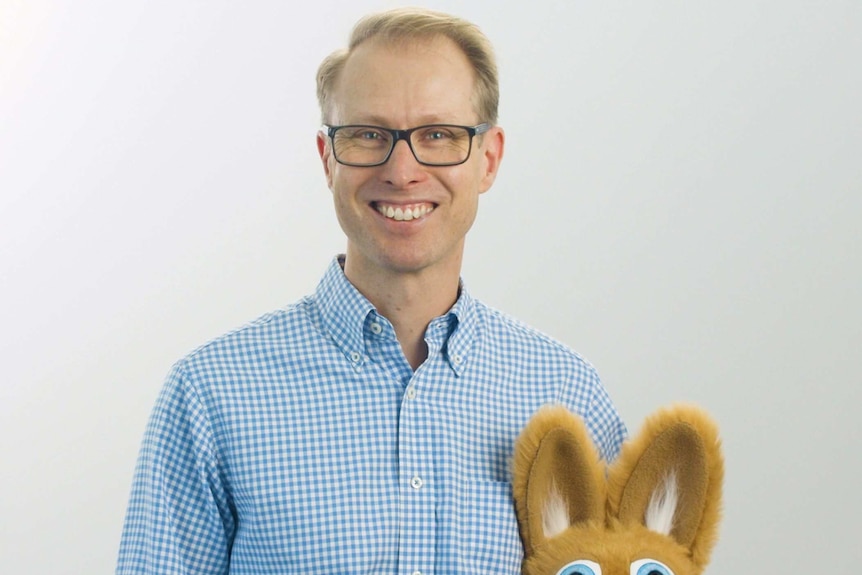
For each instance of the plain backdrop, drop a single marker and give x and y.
(679, 201)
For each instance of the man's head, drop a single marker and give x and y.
(408, 25)
(406, 206)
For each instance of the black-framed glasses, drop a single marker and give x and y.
(432, 145)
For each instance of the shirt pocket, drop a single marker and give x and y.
(490, 539)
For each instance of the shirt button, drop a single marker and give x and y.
(416, 573)
(355, 357)
(416, 482)
(457, 359)
(411, 392)
(375, 328)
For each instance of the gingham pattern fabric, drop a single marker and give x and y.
(304, 443)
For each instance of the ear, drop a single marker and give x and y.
(558, 478)
(493, 144)
(325, 151)
(678, 446)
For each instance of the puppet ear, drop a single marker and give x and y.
(558, 479)
(669, 478)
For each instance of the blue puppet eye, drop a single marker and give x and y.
(650, 567)
(581, 567)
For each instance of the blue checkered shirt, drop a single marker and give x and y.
(304, 443)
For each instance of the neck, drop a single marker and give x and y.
(408, 300)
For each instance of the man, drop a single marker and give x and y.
(367, 428)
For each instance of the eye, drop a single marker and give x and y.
(437, 133)
(650, 567)
(581, 567)
(368, 134)
(362, 134)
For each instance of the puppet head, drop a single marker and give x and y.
(654, 511)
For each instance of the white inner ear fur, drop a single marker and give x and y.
(555, 514)
(662, 506)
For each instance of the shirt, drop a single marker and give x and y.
(304, 443)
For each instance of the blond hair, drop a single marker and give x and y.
(408, 24)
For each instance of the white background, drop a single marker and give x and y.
(680, 202)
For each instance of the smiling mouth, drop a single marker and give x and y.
(404, 213)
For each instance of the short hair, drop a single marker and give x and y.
(407, 24)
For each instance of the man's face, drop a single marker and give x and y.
(400, 87)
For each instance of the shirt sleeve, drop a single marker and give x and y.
(179, 519)
(606, 427)
(605, 424)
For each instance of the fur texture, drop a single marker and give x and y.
(661, 511)
(571, 507)
(555, 514)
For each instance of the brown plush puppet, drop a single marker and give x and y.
(654, 511)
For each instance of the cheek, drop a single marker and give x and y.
(336, 177)
(346, 186)
(339, 181)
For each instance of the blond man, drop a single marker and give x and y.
(367, 428)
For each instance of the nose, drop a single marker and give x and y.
(402, 169)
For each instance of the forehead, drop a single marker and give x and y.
(404, 82)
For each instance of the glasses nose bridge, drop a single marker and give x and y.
(398, 135)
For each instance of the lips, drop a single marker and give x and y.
(404, 213)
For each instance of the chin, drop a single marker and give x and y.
(412, 261)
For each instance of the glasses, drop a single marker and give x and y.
(432, 145)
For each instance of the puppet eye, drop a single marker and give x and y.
(581, 567)
(650, 567)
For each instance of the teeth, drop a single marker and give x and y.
(404, 214)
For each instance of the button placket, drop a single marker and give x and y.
(417, 491)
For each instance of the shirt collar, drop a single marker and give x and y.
(461, 320)
(344, 312)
